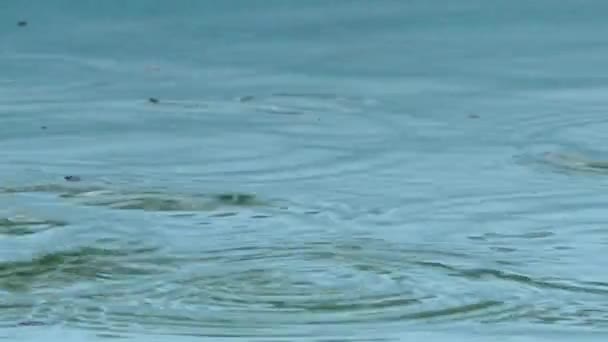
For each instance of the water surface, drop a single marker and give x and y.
(327, 171)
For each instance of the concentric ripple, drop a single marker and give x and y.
(282, 289)
(226, 291)
(318, 136)
(440, 269)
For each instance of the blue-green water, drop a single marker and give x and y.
(310, 171)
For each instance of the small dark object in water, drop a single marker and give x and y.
(246, 98)
(153, 100)
(237, 199)
(30, 323)
(473, 116)
(72, 178)
(22, 23)
(43, 127)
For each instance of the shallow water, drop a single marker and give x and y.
(361, 171)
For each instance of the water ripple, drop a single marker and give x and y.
(104, 196)
(575, 162)
(57, 268)
(242, 287)
(21, 225)
(331, 135)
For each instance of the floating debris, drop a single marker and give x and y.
(153, 100)
(22, 23)
(72, 178)
(473, 116)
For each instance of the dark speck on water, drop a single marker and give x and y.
(238, 199)
(246, 98)
(153, 100)
(43, 127)
(30, 323)
(72, 178)
(22, 23)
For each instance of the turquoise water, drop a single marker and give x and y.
(307, 170)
